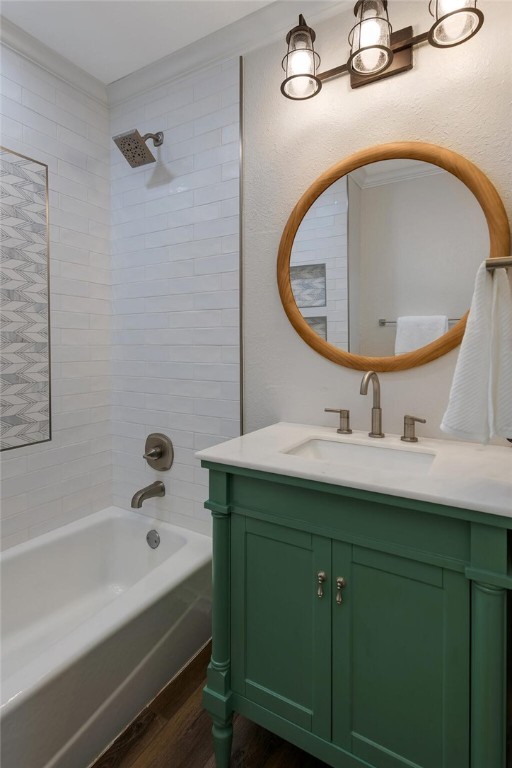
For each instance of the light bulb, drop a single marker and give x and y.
(454, 26)
(301, 63)
(370, 35)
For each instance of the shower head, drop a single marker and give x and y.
(133, 146)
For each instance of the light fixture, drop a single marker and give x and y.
(370, 38)
(375, 50)
(301, 63)
(455, 22)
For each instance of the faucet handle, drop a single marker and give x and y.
(409, 435)
(154, 453)
(159, 451)
(344, 420)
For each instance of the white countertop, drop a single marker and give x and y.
(465, 475)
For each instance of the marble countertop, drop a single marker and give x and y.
(466, 475)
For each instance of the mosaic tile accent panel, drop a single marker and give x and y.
(308, 285)
(318, 325)
(24, 306)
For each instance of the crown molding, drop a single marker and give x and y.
(240, 38)
(32, 49)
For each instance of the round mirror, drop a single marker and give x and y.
(396, 231)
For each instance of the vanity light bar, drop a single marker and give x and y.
(492, 264)
(373, 44)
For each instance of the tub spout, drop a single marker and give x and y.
(155, 489)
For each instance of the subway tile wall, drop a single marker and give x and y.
(144, 318)
(47, 485)
(175, 257)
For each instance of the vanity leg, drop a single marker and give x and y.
(488, 676)
(217, 694)
(222, 739)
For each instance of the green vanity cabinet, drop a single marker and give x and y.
(281, 640)
(400, 654)
(352, 623)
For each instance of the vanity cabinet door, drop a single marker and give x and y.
(281, 633)
(400, 661)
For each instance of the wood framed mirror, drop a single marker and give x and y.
(478, 189)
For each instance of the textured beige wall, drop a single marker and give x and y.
(459, 98)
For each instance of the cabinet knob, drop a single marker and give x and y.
(340, 586)
(321, 576)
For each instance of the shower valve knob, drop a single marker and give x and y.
(154, 453)
(159, 451)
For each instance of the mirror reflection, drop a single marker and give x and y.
(385, 259)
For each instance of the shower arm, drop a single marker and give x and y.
(158, 138)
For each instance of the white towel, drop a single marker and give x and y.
(480, 402)
(500, 400)
(415, 331)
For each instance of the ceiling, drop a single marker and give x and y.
(110, 39)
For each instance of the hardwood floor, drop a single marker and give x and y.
(175, 732)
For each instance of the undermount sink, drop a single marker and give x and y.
(361, 455)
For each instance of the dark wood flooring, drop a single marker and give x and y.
(175, 732)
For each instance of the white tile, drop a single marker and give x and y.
(53, 112)
(10, 89)
(91, 149)
(13, 129)
(197, 111)
(230, 170)
(34, 79)
(224, 154)
(230, 96)
(17, 111)
(214, 264)
(218, 119)
(53, 146)
(216, 228)
(194, 144)
(231, 133)
(173, 100)
(222, 191)
(170, 270)
(217, 300)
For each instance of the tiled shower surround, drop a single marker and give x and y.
(175, 286)
(144, 313)
(44, 486)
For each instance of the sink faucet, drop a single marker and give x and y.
(155, 489)
(376, 430)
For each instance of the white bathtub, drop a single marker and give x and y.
(94, 623)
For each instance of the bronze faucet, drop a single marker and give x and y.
(376, 430)
(155, 489)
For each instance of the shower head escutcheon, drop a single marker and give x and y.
(134, 148)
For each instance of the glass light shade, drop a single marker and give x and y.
(300, 64)
(370, 38)
(455, 22)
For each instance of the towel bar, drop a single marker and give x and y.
(492, 264)
(383, 321)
